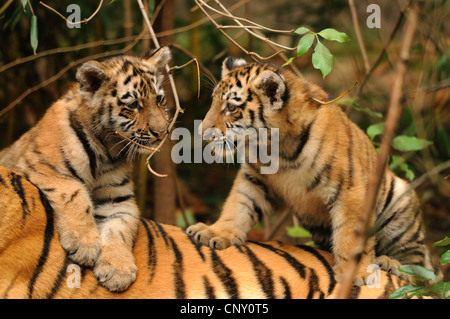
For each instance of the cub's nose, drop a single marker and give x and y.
(158, 133)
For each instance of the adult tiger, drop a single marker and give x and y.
(84, 168)
(34, 265)
(325, 164)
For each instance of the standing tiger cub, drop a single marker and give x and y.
(325, 162)
(74, 156)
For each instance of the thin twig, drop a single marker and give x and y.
(255, 25)
(85, 20)
(250, 53)
(272, 46)
(157, 11)
(291, 32)
(383, 51)
(176, 67)
(172, 85)
(64, 70)
(237, 20)
(203, 68)
(280, 222)
(393, 115)
(5, 6)
(135, 143)
(111, 42)
(31, 8)
(358, 35)
(336, 99)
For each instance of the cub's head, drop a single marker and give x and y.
(125, 94)
(248, 95)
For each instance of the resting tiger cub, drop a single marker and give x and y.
(33, 264)
(325, 162)
(74, 156)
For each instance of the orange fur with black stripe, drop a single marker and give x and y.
(325, 162)
(74, 156)
(34, 265)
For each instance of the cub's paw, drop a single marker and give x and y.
(83, 248)
(215, 236)
(391, 265)
(115, 268)
(358, 280)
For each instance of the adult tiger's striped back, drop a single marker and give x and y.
(34, 265)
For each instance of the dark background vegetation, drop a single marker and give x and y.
(199, 190)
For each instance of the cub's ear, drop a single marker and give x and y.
(159, 57)
(91, 75)
(271, 89)
(231, 63)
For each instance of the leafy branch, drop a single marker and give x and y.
(322, 59)
(423, 276)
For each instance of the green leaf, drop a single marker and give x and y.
(399, 162)
(322, 59)
(288, 62)
(304, 44)
(443, 242)
(420, 273)
(368, 111)
(333, 35)
(409, 174)
(441, 289)
(403, 292)
(445, 258)
(409, 143)
(34, 33)
(297, 232)
(302, 30)
(396, 162)
(375, 130)
(352, 101)
(24, 4)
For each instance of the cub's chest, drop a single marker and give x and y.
(291, 187)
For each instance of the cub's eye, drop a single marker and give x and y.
(159, 99)
(231, 107)
(133, 105)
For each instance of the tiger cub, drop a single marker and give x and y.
(74, 156)
(325, 163)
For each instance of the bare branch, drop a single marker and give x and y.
(237, 20)
(176, 67)
(172, 85)
(338, 98)
(31, 8)
(358, 35)
(64, 70)
(383, 51)
(85, 20)
(393, 115)
(115, 41)
(250, 53)
(200, 64)
(5, 6)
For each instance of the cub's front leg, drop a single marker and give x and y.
(345, 217)
(75, 223)
(117, 220)
(249, 199)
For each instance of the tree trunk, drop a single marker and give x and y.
(164, 188)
